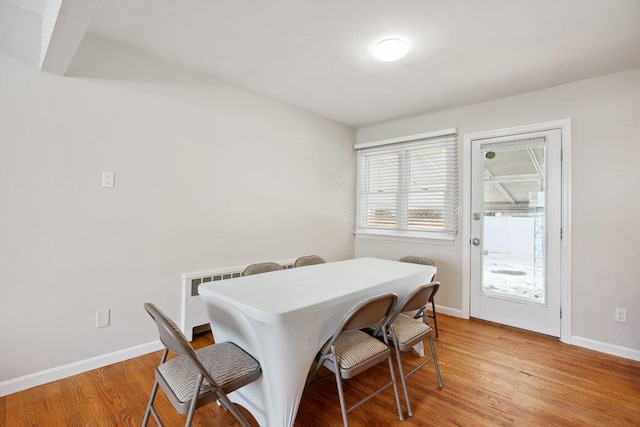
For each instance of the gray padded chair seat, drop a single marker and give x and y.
(408, 329)
(227, 363)
(355, 347)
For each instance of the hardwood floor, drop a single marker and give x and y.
(492, 376)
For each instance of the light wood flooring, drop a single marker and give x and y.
(492, 375)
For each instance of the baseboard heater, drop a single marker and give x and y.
(193, 318)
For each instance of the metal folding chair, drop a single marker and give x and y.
(262, 267)
(308, 260)
(196, 378)
(425, 261)
(350, 351)
(404, 332)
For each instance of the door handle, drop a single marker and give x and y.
(475, 241)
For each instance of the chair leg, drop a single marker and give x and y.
(154, 390)
(404, 383)
(435, 320)
(395, 390)
(343, 405)
(228, 405)
(402, 377)
(435, 360)
(194, 401)
(313, 373)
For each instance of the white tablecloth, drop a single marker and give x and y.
(282, 318)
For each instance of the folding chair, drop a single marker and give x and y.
(308, 260)
(262, 267)
(425, 261)
(405, 331)
(196, 378)
(350, 351)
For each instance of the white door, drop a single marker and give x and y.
(516, 204)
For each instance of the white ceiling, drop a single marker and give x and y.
(315, 54)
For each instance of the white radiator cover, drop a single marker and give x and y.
(192, 311)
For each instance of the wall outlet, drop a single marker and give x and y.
(108, 179)
(620, 315)
(103, 318)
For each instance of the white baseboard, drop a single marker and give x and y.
(603, 347)
(38, 378)
(449, 311)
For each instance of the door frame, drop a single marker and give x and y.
(565, 261)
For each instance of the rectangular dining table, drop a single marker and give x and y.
(282, 318)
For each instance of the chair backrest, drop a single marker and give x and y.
(419, 260)
(416, 300)
(262, 267)
(308, 260)
(174, 340)
(368, 313)
(419, 297)
(172, 337)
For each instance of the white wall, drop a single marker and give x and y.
(207, 176)
(605, 178)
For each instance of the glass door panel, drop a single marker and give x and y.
(514, 245)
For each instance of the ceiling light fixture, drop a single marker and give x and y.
(390, 50)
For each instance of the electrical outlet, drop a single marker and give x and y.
(107, 179)
(620, 315)
(103, 318)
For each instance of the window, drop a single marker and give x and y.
(408, 186)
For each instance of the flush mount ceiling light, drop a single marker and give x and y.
(390, 50)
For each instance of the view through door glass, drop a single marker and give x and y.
(514, 221)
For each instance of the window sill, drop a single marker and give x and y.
(407, 236)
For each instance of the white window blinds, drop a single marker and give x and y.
(408, 186)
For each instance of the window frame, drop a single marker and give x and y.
(402, 230)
